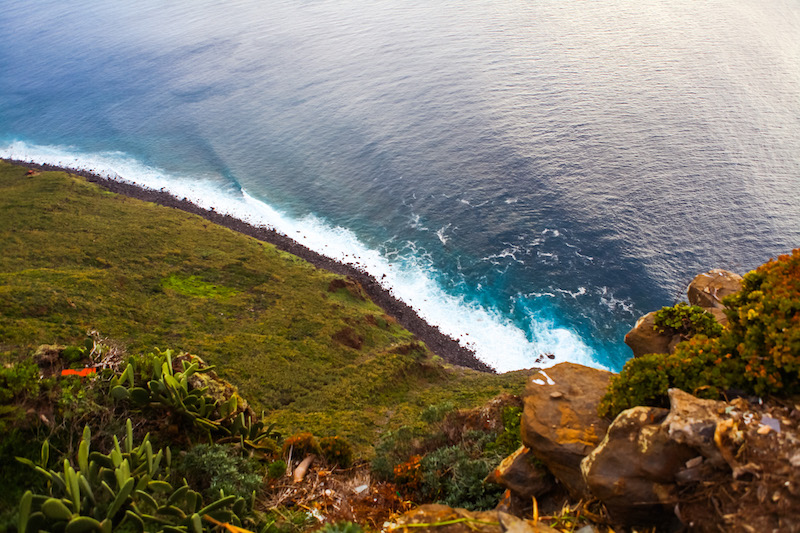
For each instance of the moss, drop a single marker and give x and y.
(194, 286)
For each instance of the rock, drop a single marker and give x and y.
(486, 418)
(708, 289)
(560, 431)
(433, 518)
(693, 422)
(523, 475)
(644, 339)
(633, 470)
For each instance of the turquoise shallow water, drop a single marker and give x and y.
(530, 176)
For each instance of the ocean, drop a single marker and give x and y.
(530, 176)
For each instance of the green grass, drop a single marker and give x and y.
(76, 257)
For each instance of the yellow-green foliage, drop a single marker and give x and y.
(687, 320)
(758, 353)
(336, 451)
(300, 445)
(765, 322)
(76, 257)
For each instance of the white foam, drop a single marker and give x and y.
(441, 234)
(409, 277)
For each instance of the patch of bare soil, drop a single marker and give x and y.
(761, 491)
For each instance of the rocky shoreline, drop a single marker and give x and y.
(439, 343)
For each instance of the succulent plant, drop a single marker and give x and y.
(127, 488)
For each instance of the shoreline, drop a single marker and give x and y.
(439, 343)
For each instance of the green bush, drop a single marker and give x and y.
(758, 353)
(276, 469)
(341, 527)
(444, 461)
(687, 321)
(18, 379)
(454, 476)
(213, 468)
(764, 320)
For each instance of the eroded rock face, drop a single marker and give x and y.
(708, 289)
(633, 470)
(559, 421)
(522, 474)
(435, 518)
(644, 339)
(693, 421)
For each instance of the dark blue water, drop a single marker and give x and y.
(530, 175)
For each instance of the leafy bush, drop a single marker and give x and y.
(301, 444)
(445, 461)
(336, 451)
(454, 475)
(764, 320)
(435, 413)
(18, 379)
(758, 353)
(276, 469)
(341, 527)
(687, 321)
(213, 468)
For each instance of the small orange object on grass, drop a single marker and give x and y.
(82, 373)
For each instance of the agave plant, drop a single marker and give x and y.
(127, 488)
(161, 387)
(166, 388)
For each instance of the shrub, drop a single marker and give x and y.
(454, 477)
(764, 320)
(18, 379)
(687, 321)
(336, 451)
(300, 445)
(276, 469)
(341, 527)
(758, 353)
(432, 464)
(435, 413)
(213, 468)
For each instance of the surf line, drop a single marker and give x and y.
(438, 342)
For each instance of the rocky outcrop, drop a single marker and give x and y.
(633, 470)
(708, 289)
(559, 421)
(435, 518)
(644, 338)
(522, 474)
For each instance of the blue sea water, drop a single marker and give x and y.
(531, 176)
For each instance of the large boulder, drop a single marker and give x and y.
(560, 424)
(522, 474)
(693, 422)
(644, 338)
(434, 518)
(633, 470)
(708, 289)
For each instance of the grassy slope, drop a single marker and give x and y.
(75, 257)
